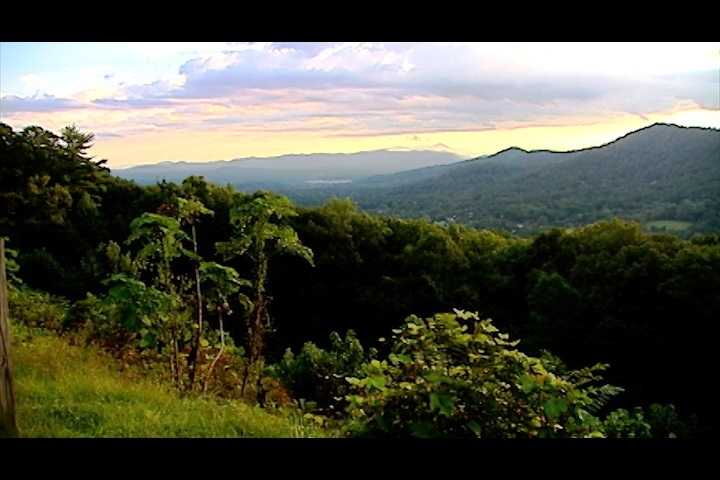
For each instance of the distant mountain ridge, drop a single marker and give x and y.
(634, 133)
(292, 169)
(662, 172)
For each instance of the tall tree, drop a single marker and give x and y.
(189, 213)
(160, 238)
(261, 231)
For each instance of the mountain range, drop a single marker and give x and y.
(664, 175)
(292, 170)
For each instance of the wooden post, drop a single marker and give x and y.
(8, 426)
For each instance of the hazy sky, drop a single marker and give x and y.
(152, 102)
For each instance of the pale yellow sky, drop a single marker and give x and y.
(218, 145)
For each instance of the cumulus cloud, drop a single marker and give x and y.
(361, 89)
(520, 74)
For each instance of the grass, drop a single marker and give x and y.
(71, 391)
(669, 225)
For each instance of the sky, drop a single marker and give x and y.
(154, 102)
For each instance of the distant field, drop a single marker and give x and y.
(671, 225)
(72, 391)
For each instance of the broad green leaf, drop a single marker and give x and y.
(475, 428)
(377, 381)
(443, 403)
(422, 430)
(554, 407)
(528, 383)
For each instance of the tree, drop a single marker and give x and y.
(261, 232)
(162, 247)
(51, 188)
(161, 240)
(189, 213)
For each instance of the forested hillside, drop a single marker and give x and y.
(663, 176)
(357, 298)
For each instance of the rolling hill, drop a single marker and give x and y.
(661, 173)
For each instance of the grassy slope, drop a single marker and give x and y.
(70, 391)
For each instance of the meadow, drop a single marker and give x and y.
(66, 390)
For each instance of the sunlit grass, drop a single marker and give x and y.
(71, 391)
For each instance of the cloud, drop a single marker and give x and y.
(133, 102)
(372, 89)
(107, 135)
(345, 65)
(306, 49)
(452, 71)
(37, 103)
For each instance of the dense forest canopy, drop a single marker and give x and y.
(608, 292)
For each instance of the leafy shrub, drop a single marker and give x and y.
(89, 314)
(106, 320)
(454, 375)
(658, 421)
(11, 266)
(36, 309)
(41, 270)
(274, 393)
(666, 423)
(318, 375)
(226, 379)
(621, 423)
